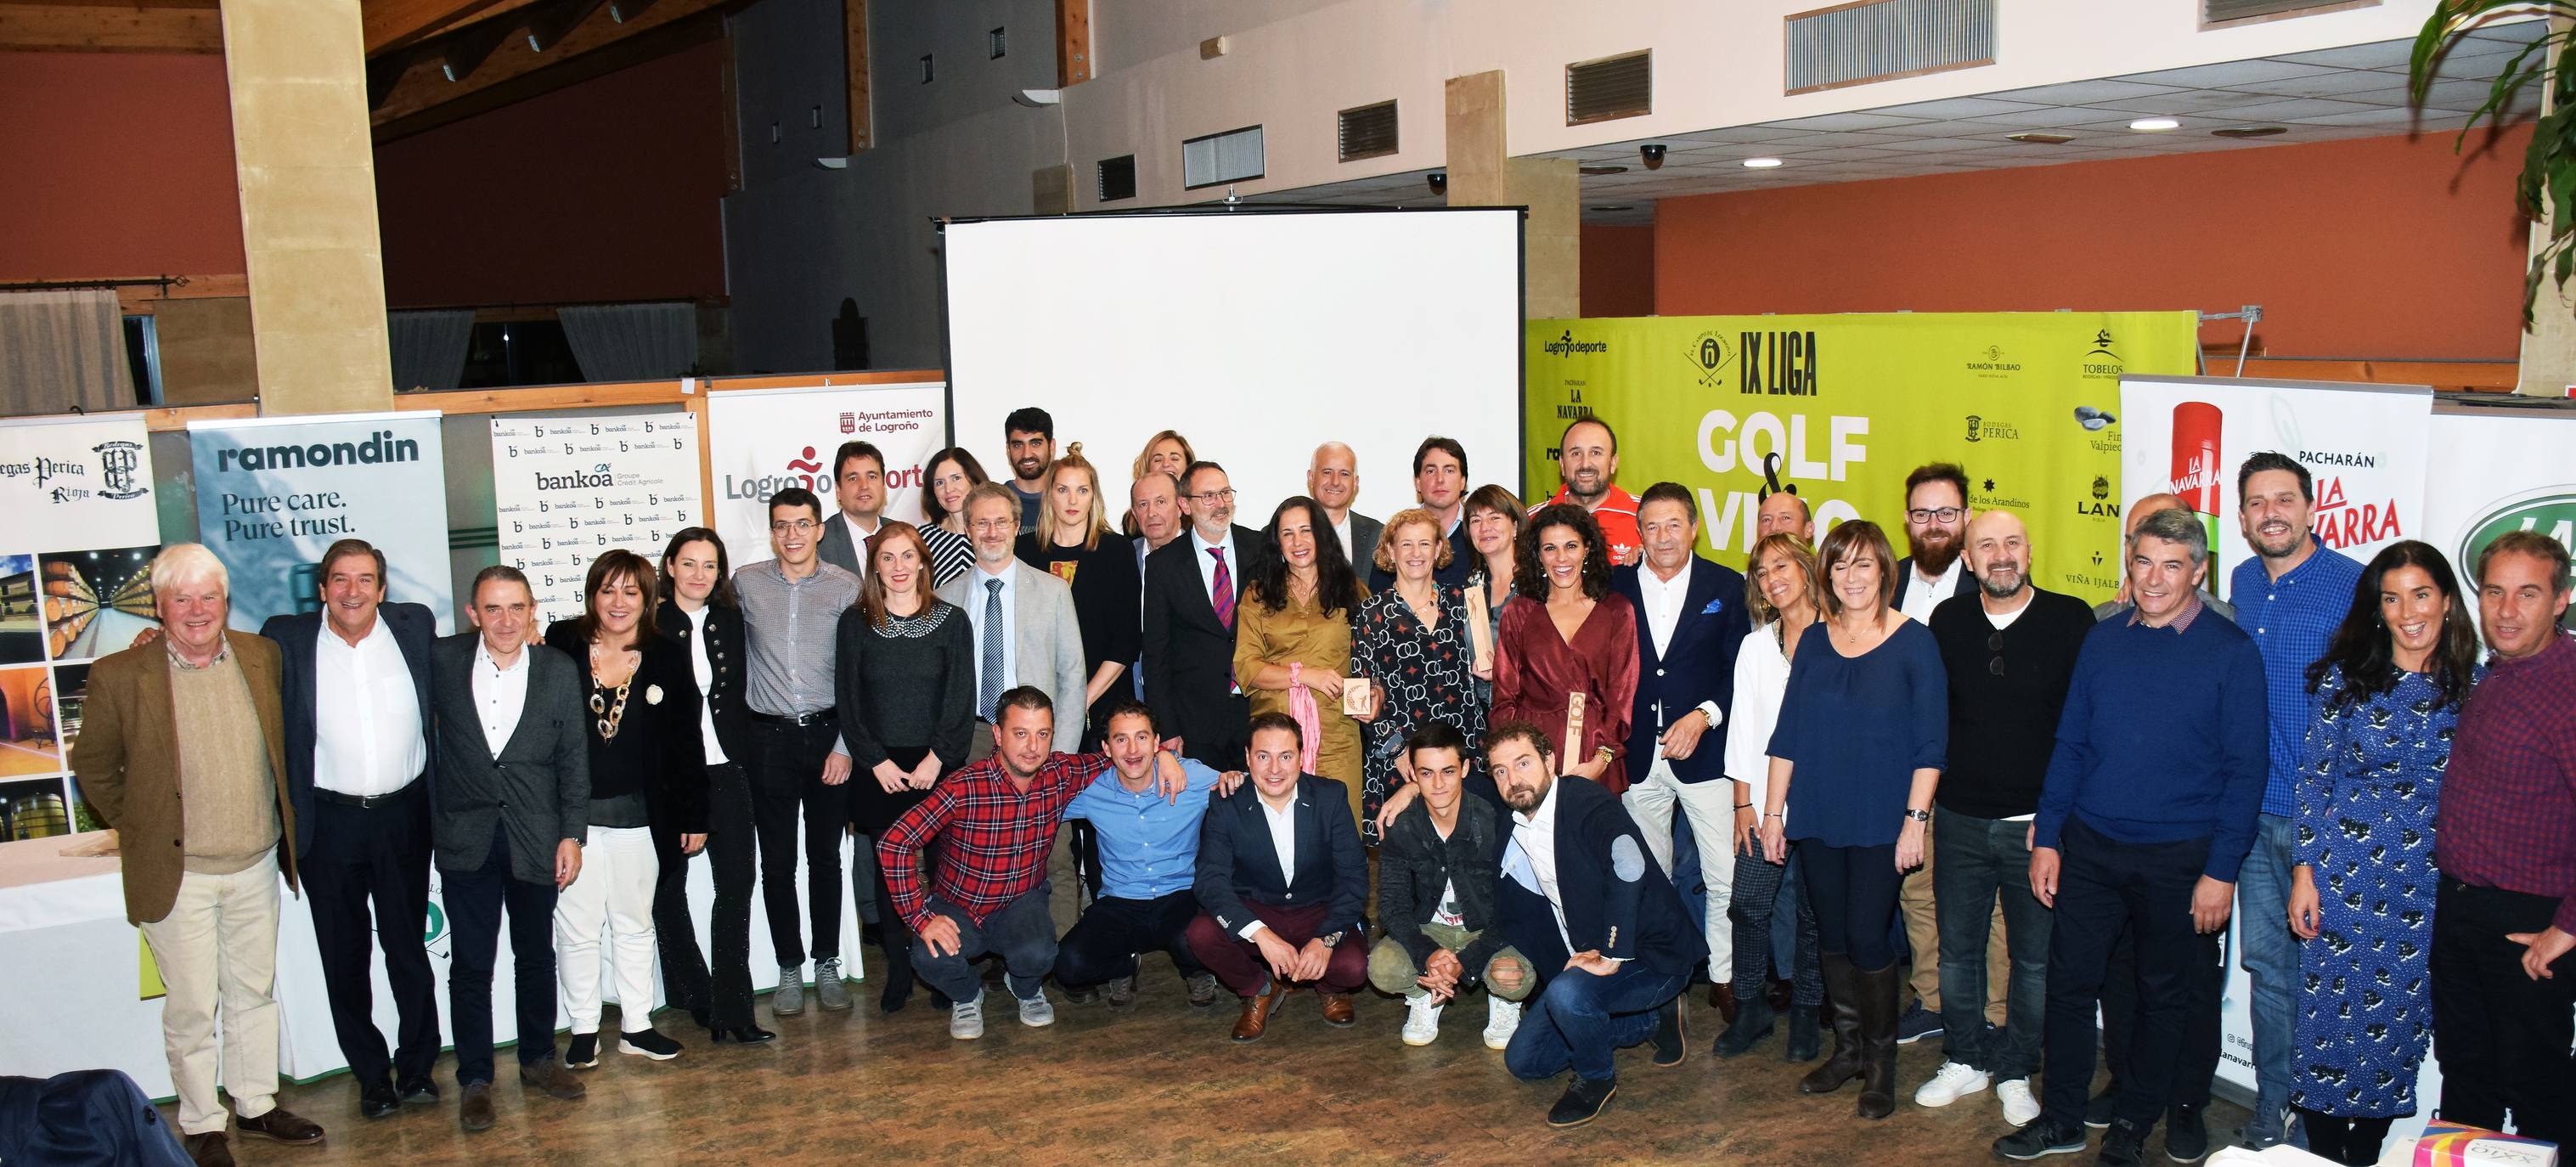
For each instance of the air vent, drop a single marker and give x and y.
(2228, 13)
(1879, 40)
(1612, 87)
(1232, 156)
(1117, 177)
(1367, 132)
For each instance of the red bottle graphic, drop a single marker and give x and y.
(2196, 474)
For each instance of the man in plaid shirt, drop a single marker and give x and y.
(995, 822)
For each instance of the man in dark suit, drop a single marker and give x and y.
(1282, 882)
(1333, 479)
(508, 812)
(356, 690)
(1191, 588)
(1690, 622)
(858, 489)
(1440, 482)
(1936, 526)
(1579, 895)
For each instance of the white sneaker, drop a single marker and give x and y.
(1037, 1012)
(2020, 1109)
(1421, 1019)
(1502, 1020)
(966, 1019)
(1954, 1081)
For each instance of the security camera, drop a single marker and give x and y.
(1439, 180)
(1653, 154)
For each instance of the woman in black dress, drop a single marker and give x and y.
(698, 611)
(906, 686)
(1073, 541)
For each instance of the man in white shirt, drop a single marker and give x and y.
(1191, 589)
(1333, 480)
(1281, 884)
(858, 487)
(1440, 482)
(1154, 503)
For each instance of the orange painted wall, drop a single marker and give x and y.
(120, 165)
(1618, 270)
(2377, 247)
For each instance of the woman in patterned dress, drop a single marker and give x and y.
(1412, 643)
(946, 478)
(2388, 691)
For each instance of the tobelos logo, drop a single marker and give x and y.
(2550, 511)
(2101, 361)
(1566, 346)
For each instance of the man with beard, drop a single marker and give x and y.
(2290, 597)
(1029, 436)
(1588, 462)
(1936, 516)
(2009, 651)
(1333, 479)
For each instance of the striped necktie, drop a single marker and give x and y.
(1224, 597)
(990, 691)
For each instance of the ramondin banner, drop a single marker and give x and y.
(274, 494)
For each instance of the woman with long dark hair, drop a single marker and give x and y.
(1571, 637)
(945, 479)
(2389, 690)
(699, 613)
(1494, 517)
(1292, 638)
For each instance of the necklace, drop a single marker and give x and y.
(611, 713)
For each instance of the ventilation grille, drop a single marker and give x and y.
(1612, 87)
(2217, 13)
(1233, 156)
(1876, 40)
(1367, 132)
(1117, 177)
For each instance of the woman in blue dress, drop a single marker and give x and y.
(2388, 694)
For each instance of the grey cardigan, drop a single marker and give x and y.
(538, 789)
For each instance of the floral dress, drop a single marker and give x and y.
(1424, 673)
(2370, 778)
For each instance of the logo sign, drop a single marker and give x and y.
(1974, 422)
(2101, 362)
(1709, 356)
(119, 466)
(2551, 512)
(849, 422)
(1567, 346)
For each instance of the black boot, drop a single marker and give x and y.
(1877, 992)
(1842, 998)
(1752, 1023)
(1806, 1040)
(894, 939)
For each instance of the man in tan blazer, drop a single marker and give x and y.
(205, 836)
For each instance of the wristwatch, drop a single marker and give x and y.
(1331, 940)
(1920, 816)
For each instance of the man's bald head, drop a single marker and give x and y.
(2139, 510)
(1333, 479)
(1997, 548)
(1782, 511)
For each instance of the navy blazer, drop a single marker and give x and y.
(1617, 901)
(298, 637)
(1905, 580)
(1697, 665)
(1237, 861)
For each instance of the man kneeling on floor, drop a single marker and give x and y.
(995, 822)
(1281, 881)
(1578, 894)
(1435, 899)
(1149, 848)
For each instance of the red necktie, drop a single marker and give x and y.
(1224, 597)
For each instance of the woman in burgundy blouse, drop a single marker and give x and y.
(1574, 638)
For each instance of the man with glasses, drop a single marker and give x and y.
(1936, 519)
(1191, 588)
(791, 613)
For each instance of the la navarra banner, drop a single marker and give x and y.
(1843, 407)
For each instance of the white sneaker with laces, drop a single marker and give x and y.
(1037, 1012)
(1421, 1019)
(2020, 1109)
(1502, 1020)
(1952, 1082)
(966, 1019)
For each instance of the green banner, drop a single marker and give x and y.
(1844, 407)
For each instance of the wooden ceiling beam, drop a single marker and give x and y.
(178, 27)
(548, 26)
(460, 54)
(392, 24)
(622, 11)
(424, 99)
(854, 32)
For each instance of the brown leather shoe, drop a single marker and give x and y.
(209, 1149)
(1722, 999)
(475, 1112)
(551, 1077)
(280, 1125)
(1338, 1012)
(1257, 1012)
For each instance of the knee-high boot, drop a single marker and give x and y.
(1877, 991)
(1842, 1004)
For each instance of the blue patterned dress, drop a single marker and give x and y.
(2370, 777)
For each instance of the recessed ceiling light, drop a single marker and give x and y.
(2037, 138)
(1761, 163)
(2154, 125)
(2250, 131)
(1607, 209)
(1603, 169)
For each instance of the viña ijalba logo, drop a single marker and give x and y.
(2549, 510)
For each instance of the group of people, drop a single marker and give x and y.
(1552, 754)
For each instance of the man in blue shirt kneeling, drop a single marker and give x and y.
(1149, 850)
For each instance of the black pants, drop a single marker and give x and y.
(1854, 890)
(1104, 943)
(2103, 884)
(376, 853)
(2502, 1037)
(786, 774)
(2197, 1065)
(1219, 745)
(475, 900)
(686, 979)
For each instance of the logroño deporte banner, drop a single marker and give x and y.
(1845, 406)
(763, 440)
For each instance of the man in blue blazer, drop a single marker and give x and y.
(1690, 622)
(356, 696)
(1579, 896)
(1281, 885)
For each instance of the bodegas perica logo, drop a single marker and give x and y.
(2549, 510)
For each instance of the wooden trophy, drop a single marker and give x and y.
(1480, 632)
(1573, 731)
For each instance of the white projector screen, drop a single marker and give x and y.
(1257, 334)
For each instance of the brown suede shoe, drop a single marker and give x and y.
(280, 1125)
(551, 1077)
(1722, 999)
(1257, 1012)
(474, 1113)
(1338, 1011)
(209, 1149)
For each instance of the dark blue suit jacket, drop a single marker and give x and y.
(1698, 665)
(1617, 901)
(1237, 861)
(413, 628)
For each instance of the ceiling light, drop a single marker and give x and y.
(2155, 125)
(2037, 138)
(1603, 169)
(1761, 163)
(2250, 131)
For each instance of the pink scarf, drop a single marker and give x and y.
(1309, 719)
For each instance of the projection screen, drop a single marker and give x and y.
(1257, 334)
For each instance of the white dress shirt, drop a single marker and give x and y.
(1761, 680)
(366, 715)
(1532, 857)
(1663, 602)
(859, 540)
(976, 593)
(705, 672)
(499, 694)
(1207, 574)
(1283, 839)
(1922, 595)
(1342, 531)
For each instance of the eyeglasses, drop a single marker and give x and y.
(784, 526)
(1944, 514)
(1995, 645)
(1225, 495)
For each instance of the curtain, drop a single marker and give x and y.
(632, 342)
(429, 347)
(61, 351)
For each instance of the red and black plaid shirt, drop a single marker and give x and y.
(993, 838)
(2508, 815)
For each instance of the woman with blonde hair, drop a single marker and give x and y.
(1167, 452)
(1784, 597)
(1412, 644)
(1072, 541)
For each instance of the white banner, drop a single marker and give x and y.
(764, 440)
(569, 488)
(2509, 467)
(273, 495)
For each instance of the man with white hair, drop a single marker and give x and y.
(204, 837)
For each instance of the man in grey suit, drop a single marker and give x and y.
(858, 488)
(1023, 617)
(1333, 479)
(509, 806)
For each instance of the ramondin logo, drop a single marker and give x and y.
(2550, 511)
(382, 446)
(1566, 346)
(1709, 355)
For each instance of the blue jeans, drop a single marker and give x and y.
(1579, 1019)
(2271, 958)
(1974, 861)
(1021, 932)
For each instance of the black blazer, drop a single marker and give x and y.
(298, 638)
(1189, 656)
(1617, 901)
(1905, 580)
(725, 649)
(675, 750)
(1237, 861)
(537, 789)
(1697, 665)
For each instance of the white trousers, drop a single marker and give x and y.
(1710, 806)
(217, 951)
(615, 889)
